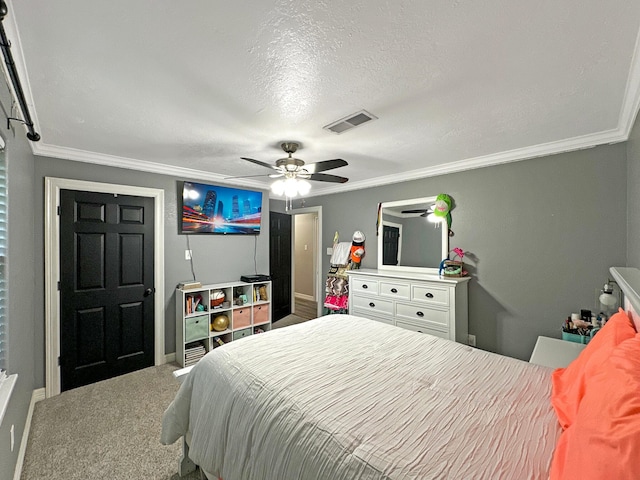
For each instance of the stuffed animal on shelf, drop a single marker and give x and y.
(357, 248)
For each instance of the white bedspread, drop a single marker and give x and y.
(342, 397)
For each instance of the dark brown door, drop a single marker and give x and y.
(280, 264)
(106, 286)
(390, 239)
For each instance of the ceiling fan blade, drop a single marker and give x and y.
(325, 165)
(247, 176)
(323, 177)
(258, 162)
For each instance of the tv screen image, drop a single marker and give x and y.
(223, 210)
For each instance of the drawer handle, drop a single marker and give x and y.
(371, 304)
(365, 286)
(393, 290)
(429, 295)
(420, 314)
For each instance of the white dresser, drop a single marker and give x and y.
(419, 302)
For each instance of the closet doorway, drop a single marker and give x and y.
(307, 287)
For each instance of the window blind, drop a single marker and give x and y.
(3, 256)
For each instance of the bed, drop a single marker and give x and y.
(345, 397)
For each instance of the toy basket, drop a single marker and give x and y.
(453, 268)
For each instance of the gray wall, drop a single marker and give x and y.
(633, 197)
(24, 297)
(217, 258)
(540, 236)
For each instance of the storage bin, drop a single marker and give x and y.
(241, 333)
(241, 318)
(260, 314)
(453, 268)
(196, 328)
(573, 337)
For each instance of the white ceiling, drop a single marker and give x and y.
(188, 87)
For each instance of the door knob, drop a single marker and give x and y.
(149, 291)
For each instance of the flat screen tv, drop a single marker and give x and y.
(220, 210)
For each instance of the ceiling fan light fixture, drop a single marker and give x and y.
(291, 187)
(431, 217)
(304, 187)
(277, 187)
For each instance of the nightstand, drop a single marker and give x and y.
(554, 352)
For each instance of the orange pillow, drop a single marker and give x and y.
(604, 440)
(568, 384)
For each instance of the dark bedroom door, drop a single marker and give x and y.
(390, 240)
(106, 286)
(280, 264)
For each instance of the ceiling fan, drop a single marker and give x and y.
(290, 167)
(423, 211)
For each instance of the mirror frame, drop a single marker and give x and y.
(402, 268)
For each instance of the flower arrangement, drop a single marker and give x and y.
(458, 252)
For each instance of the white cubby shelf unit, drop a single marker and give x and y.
(246, 306)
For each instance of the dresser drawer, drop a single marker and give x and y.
(372, 304)
(422, 329)
(371, 315)
(431, 294)
(196, 328)
(423, 314)
(397, 290)
(359, 284)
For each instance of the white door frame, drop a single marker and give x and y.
(52, 267)
(317, 281)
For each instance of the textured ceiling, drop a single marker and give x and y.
(189, 87)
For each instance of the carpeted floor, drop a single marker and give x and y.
(108, 430)
(289, 320)
(305, 308)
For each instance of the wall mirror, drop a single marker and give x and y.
(408, 239)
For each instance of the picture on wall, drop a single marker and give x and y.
(215, 209)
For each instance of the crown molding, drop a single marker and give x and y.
(66, 153)
(541, 150)
(631, 100)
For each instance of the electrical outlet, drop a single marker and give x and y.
(12, 437)
(187, 254)
(329, 251)
(472, 340)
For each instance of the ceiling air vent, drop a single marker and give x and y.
(349, 122)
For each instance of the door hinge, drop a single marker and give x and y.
(58, 209)
(58, 285)
(58, 361)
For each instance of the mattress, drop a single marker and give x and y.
(344, 397)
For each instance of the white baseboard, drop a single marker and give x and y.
(170, 357)
(304, 296)
(37, 395)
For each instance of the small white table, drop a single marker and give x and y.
(555, 353)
